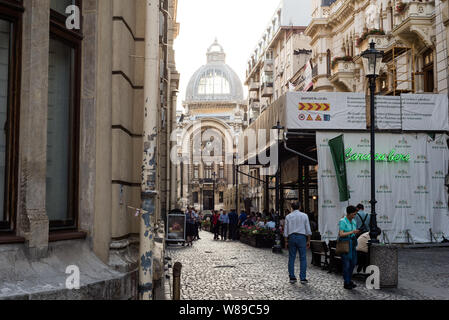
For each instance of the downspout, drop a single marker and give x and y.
(149, 159)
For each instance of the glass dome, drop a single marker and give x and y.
(215, 80)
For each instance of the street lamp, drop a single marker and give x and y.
(372, 60)
(277, 248)
(213, 194)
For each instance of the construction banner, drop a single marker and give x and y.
(332, 110)
(412, 199)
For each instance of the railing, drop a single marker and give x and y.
(343, 66)
(415, 9)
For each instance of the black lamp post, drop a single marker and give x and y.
(213, 194)
(277, 248)
(372, 60)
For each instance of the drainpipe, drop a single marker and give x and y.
(149, 159)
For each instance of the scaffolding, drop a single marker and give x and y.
(402, 68)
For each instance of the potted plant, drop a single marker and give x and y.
(368, 33)
(338, 59)
(400, 7)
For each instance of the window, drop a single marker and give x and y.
(195, 197)
(195, 173)
(60, 6)
(221, 197)
(208, 172)
(214, 82)
(221, 173)
(428, 71)
(63, 122)
(10, 32)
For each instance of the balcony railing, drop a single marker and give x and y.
(267, 89)
(254, 86)
(342, 66)
(414, 9)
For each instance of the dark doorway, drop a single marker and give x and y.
(208, 200)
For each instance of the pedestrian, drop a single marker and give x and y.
(348, 232)
(233, 225)
(216, 224)
(224, 221)
(297, 235)
(242, 218)
(197, 225)
(190, 226)
(362, 219)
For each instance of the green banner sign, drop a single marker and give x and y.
(392, 156)
(337, 147)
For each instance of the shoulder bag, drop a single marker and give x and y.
(342, 247)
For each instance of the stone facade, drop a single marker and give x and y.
(272, 71)
(103, 240)
(411, 33)
(214, 105)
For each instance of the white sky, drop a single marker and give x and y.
(237, 24)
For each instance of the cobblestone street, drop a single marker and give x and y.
(217, 270)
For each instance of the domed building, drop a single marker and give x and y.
(215, 111)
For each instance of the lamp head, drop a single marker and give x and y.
(372, 60)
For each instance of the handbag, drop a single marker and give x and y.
(342, 247)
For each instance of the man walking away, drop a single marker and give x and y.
(233, 225)
(362, 219)
(224, 221)
(297, 234)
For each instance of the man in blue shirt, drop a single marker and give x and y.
(233, 225)
(242, 218)
(224, 219)
(362, 219)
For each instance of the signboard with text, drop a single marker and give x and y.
(347, 111)
(332, 110)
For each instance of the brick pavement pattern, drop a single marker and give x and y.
(218, 270)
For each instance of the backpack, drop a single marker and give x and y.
(363, 229)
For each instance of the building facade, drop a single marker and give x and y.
(214, 116)
(412, 35)
(273, 70)
(72, 102)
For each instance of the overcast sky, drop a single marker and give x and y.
(237, 24)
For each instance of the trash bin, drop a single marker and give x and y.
(386, 258)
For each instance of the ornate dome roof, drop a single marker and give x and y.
(215, 81)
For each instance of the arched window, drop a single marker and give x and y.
(214, 82)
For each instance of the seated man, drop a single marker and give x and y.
(270, 225)
(362, 252)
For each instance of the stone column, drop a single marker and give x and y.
(33, 222)
(386, 258)
(103, 157)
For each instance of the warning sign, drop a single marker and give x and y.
(302, 117)
(314, 107)
(309, 118)
(318, 118)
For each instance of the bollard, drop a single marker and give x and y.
(177, 281)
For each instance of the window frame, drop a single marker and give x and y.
(12, 11)
(73, 39)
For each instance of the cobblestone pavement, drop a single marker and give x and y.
(218, 270)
